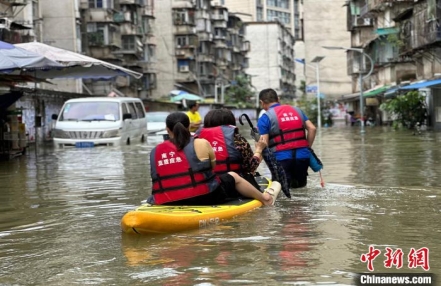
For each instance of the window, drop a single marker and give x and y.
(278, 3)
(181, 17)
(132, 109)
(259, 14)
(182, 41)
(101, 4)
(149, 53)
(97, 34)
(128, 43)
(281, 16)
(124, 109)
(140, 110)
(77, 111)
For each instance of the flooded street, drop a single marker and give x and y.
(60, 213)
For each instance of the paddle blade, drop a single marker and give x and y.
(322, 182)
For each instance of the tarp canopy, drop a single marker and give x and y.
(75, 65)
(375, 91)
(14, 58)
(422, 84)
(391, 91)
(186, 96)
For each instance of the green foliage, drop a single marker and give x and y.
(240, 94)
(310, 108)
(408, 109)
(303, 87)
(395, 40)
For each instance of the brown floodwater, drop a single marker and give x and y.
(60, 212)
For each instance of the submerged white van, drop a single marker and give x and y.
(93, 121)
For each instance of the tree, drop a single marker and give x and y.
(240, 93)
(310, 108)
(408, 109)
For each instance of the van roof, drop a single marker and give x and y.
(104, 98)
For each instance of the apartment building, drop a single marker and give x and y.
(273, 57)
(288, 12)
(324, 24)
(201, 47)
(116, 31)
(16, 21)
(120, 32)
(402, 37)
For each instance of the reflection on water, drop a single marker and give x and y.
(60, 212)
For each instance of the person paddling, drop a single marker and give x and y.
(182, 171)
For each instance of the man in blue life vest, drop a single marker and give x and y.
(289, 134)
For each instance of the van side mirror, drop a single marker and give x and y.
(127, 116)
(54, 116)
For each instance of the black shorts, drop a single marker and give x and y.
(224, 193)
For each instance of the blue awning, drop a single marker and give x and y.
(387, 31)
(422, 84)
(391, 91)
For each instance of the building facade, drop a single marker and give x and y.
(288, 12)
(121, 32)
(271, 58)
(403, 39)
(201, 47)
(116, 31)
(324, 24)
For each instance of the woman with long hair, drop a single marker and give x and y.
(182, 171)
(232, 150)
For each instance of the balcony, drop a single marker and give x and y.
(180, 22)
(245, 47)
(18, 2)
(220, 24)
(371, 6)
(95, 39)
(179, 4)
(181, 53)
(185, 30)
(219, 17)
(419, 32)
(99, 15)
(131, 2)
(130, 29)
(205, 58)
(118, 17)
(205, 37)
(202, 14)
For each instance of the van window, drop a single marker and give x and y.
(90, 111)
(125, 110)
(140, 110)
(132, 109)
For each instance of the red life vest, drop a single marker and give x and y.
(178, 175)
(287, 129)
(221, 139)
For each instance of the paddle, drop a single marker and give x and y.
(277, 172)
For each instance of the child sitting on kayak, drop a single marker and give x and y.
(182, 171)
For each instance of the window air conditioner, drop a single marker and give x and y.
(184, 69)
(5, 23)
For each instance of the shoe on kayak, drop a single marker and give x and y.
(273, 190)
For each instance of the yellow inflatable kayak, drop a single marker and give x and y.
(155, 219)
